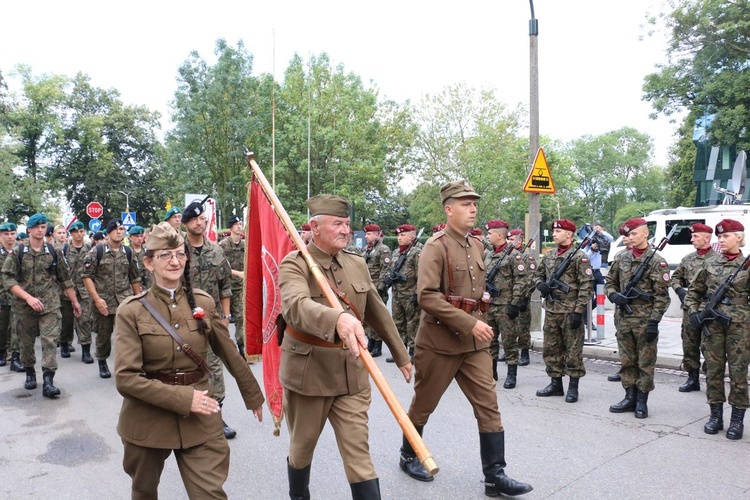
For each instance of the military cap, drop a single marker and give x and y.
(369, 228)
(405, 228)
(328, 204)
(631, 224)
(7, 227)
(306, 227)
(50, 231)
(172, 211)
(439, 227)
(113, 224)
(515, 232)
(728, 226)
(135, 230)
(98, 236)
(457, 189)
(76, 226)
(21, 236)
(192, 211)
(233, 219)
(700, 228)
(477, 231)
(564, 224)
(495, 224)
(163, 237)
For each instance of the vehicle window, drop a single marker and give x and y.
(682, 235)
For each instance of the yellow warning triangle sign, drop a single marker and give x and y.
(539, 179)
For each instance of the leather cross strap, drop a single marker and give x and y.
(311, 339)
(450, 267)
(176, 337)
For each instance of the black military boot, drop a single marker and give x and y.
(409, 462)
(71, 348)
(523, 359)
(496, 483)
(692, 383)
(377, 350)
(64, 352)
(715, 420)
(370, 345)
(736, 425)
(30, 378)
(3, 356)
(15, 363)
(86, 354)
(104, 369)
(555, 388)
(494, 369)
(366, 490)
(627, 404)
(510, 380)
(641, 404)
(48, 388)
(615, 377)
(299, 482)
(572, 395)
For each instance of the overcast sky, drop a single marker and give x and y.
(593, 54)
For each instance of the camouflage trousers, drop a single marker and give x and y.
(237, 309)
(563, 346)
(103, 327)
(83, 323)
(691, 345)
(727, 345)
(68, 321)
(5, 327)
(46, 326)
(216, 368)
(369, 332)
(523, 329)
(638, 358)
(505, 332)
(406, 317)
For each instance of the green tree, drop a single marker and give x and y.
(681, 190)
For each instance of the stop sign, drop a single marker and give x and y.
(94, 210)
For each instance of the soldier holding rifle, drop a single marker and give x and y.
(717, 302)
(523, 322)
(378, 258)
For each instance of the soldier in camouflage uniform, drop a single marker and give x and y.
(378, 259)
(637, 333)
(681, 278)
(404, 306)
(137, 237)
(174, 217)
(210, 271)
(35, 277)
(523, 321)
(7, 245)
(76, 254)
(234, 250)
(563, 318)
(61, 242)
(111, 275)
(506, 288)
(724, 344)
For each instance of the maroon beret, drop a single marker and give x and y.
(495, 224)
(306, 227)
(371, 227)
(728, 226)
(477, 231)
(439, 227)
(700, 228)
(404, 228)
(631, 224)
(564, 224)
(515, 232)
(622, 230)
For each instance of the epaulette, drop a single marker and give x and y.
(198, 292)
(134, 297)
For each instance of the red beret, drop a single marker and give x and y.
(404, 228)
(631, 224)
(477, 231)
(728, 226)
(437, 228)
(700, 228)
(515, 232)
(564, 224)
(306, 227)
(495, 224)
(371, 227)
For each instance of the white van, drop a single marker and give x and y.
(660, 222)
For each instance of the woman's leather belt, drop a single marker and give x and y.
(179, 378)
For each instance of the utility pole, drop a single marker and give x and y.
(534, 209)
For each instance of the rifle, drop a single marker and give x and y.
(710, 313)
(554, 282)
(632, 291)
(395, 275)
(492, 289)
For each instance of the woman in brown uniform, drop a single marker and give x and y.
(167, 405)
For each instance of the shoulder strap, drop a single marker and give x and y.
(129, 253)
(99, 253)
(21, 249)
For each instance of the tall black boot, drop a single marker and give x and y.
(299, 482)
(510, 380)
(409, 462)
(370, 345)
(30, 378)
(86, 354)
(496, 483)
(229, 433)
(48, 388)
(104, 369)
(15, 363)
(523, 359)
(494, 369)
(692, 383)
(64, 352)
(3, 356)
(572, 395)
(641, 404)
(627, 404)
(377, 349)
(366, 490)
(555, 388)
(716, 420)
(736, 425)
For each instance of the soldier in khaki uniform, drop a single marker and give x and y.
(378, 258)
(523, 322)
(637, 333)
(234, 249)
(36, 277)
(76, 255)
(404, 306)
(322, 377)
(700, 237)
(453, 338)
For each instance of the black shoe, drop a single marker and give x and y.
(390, 359)
(510, 380)
(736, 425)
(641, 404)
(366, 490)
(48, 388)
(572, 395)
(615, 377)
(229, 433)
(299, 482)
(627, 404)
(716, 420)
(86, 354)
(692, 383)
(3, 356)
(104, 369)
(523, 360)
(377, 350)
(409, 462)
(64, 352)
(30, 378)
(555, 388)
(15, 363)
(492, 452)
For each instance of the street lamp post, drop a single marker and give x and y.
(534, 209)
(127, 200)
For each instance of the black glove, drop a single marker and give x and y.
(681, 292)
(524, 305)
(388, 281)
(618, 299)
(652, 330)
(575, 320)
(414, 300)
(513, 311)
(695, 321)
(544, 288)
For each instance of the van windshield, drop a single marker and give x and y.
(683, 234)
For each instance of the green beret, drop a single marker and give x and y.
(328, 204)
(172, 211)
(7, 227)
(457, 189)
(76, 226)
(135, 230)
(35, 220)
(21, 236)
